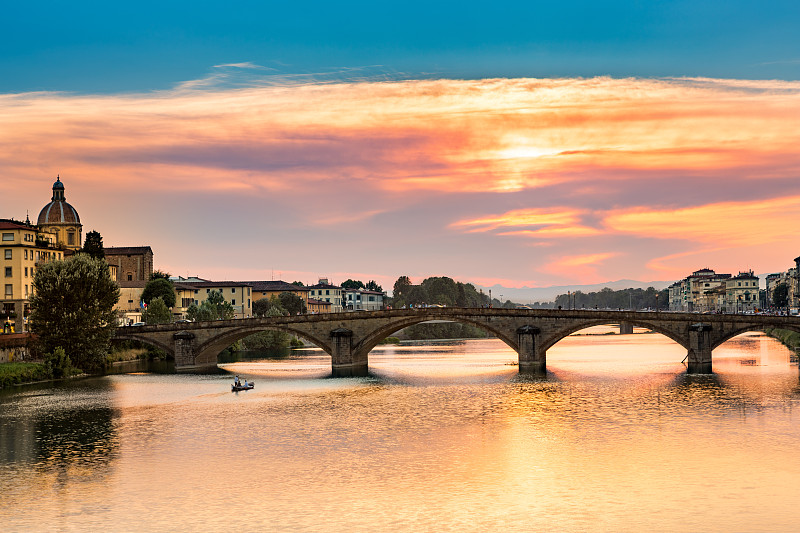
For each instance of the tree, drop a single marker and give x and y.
(159, 274)
(157, 312)
(292, 303)
(265, 340)
(73, 307)
(352, 284)
(780, 295)
(93, 245)
(373, 286)
(159, 288)
(264, 307)
(298, 283)
(200, 313)
(213, 308)
(401, 286)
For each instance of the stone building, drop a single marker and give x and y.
(134, 263)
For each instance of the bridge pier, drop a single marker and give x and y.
(346, 362)
(532, 360)
(185, 350)
(699, 356)
(625, 328)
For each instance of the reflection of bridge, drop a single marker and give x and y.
(349, 337)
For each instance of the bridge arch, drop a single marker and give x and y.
(579, 325)
(734, 332)
(207, 352)
(372, 339)
(148, 340)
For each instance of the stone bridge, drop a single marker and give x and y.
(349, 337)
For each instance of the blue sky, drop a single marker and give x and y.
(96, 47)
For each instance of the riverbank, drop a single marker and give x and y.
(19, 373)
(789, 338)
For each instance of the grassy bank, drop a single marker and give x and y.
(789, 338)
(16, 373)
(128, 354)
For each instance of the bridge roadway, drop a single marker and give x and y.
(348, 337)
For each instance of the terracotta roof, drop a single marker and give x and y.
(58, 212)
(274, 286)
(323, 286)
(13, 224)
(210, 284)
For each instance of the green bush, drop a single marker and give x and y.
(58, 364)
(15, 373)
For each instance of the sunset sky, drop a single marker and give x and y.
(508, 144)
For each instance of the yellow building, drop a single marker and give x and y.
(237, 293)
(316, 307)
(741, 293)
(22, 247)
(326, 292)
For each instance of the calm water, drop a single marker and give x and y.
(442, 437)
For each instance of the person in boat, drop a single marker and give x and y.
(236, 381)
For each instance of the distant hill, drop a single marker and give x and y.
(526, 295)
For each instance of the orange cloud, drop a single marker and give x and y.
(584, 267)
(373, 157)
(552, 222)
(728, 224)
(441, 135)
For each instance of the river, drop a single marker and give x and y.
(442, 436)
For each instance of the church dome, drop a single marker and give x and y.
(58, 211)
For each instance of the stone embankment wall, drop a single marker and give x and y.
(15, 348)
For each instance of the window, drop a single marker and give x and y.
(8, 237)
(248, 301)
(26, 272)
(8, 253)
(248, 291)
(233, 301)
(70, 238)
(130, 277)
(327, 292)
(9, 290)
(26, 290)
(8, 272)
(233, 291)
(26, 254)
(208, 291)
(196, 291)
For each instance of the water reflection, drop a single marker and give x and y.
(616, 436)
